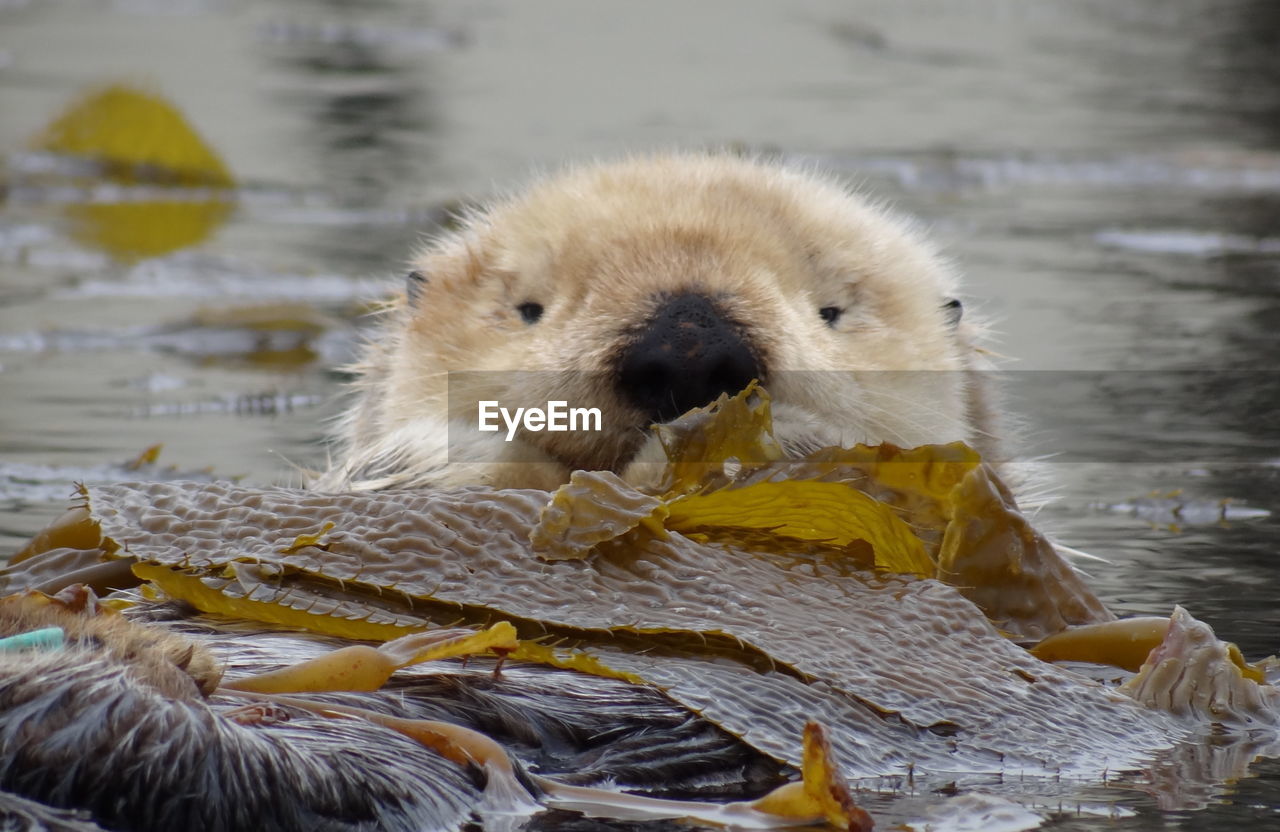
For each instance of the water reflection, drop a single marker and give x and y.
(361, 81)
(131, 173)
(1233, 55)
(1240, 43)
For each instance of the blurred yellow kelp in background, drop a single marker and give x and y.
(153, 185)
(137, 137)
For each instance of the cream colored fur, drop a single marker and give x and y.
(598, 246)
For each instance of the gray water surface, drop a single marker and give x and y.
(1105, 172)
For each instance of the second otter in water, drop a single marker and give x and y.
(647, 287)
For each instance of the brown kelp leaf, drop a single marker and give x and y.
(756, 641)
(217, 594)
(994, 556)
(986, 548)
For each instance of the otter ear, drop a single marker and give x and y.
(414, 283)
(953, 310)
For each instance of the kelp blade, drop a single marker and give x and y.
(963, 516)
(702, 621)
(816, 511)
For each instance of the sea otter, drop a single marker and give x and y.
(644, 288)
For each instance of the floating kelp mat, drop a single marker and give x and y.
(758, 629)
(906, 671)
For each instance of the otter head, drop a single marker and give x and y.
(648, 287)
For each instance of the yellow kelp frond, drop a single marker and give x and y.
(929, 471)
(711, 450)
(74, 529)
(147, 457)
(593, 507)
(364, 668)
(698, 445)
(447, 644)
(596, 507)
(821, 793)
(366, 625)
(173, 189)
(956, 511)
(1123, 643)
(817, 511)
(139, 136)
(531, 651)
(302, 541)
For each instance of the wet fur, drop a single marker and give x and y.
(168, 664)
(86, 728)
(76, 732)
(599, 247)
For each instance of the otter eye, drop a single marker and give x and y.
(830, 314)
(530, 311)
(953, 310)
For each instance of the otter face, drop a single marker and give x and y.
(646, 288)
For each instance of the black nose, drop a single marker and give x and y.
(687, 355)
